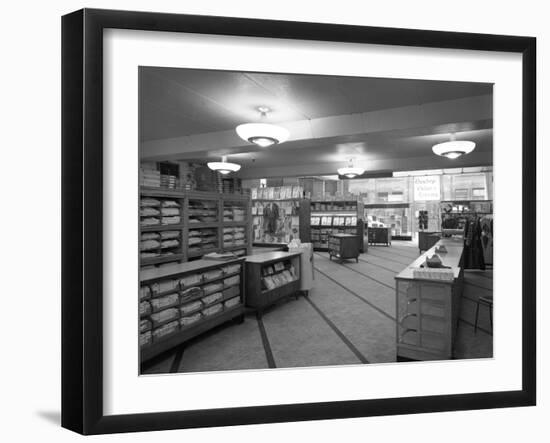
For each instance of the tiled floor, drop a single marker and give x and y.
(348, 318)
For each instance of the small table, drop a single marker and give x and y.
(344, 246)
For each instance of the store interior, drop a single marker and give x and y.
(299, 220)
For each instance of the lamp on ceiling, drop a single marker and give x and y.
(262, 134)
(351, 171)
(224, 167)
(453, 148)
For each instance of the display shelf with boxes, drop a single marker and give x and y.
(177, 226)
(329, 217)
(271, 276)
(279, 215)
(183, 300)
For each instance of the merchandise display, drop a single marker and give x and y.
(336, 216)
(278, 217)
(178, 226)
(183, 300)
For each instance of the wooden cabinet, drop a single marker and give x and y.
(379, 236)
(270, 277)
(427, 306)
(344, 246)
(178, 226)
(182, 300)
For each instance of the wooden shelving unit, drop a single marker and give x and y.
(220, 221)
(229, 283)
(333, 212)
(258, 269)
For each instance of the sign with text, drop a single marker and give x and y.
(427, 188)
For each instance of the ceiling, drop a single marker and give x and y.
(381, 123)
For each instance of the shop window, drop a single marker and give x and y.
(479, 194)
(461, 194)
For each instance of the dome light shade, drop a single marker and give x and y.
(262, 134)
(453, 148)
(224, 167)
(351, 171)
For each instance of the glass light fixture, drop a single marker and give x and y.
(262, 134)
(453, 148)
(350, 171)
(224, 167)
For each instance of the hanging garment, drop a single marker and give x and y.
(473, 249)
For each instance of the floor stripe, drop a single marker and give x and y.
(366, 275)
(177, 359)
(339, 333)
(265, 343)
(356, 295)
(478, 328)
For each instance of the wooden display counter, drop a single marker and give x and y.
(180, 301)
(270, 277)
(427, 309)
(379, 236)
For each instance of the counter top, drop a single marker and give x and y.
(450, 258)
(270, 256)
(180, 268)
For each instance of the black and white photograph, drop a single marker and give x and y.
(292, 221)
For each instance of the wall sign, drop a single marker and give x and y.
(427, 188)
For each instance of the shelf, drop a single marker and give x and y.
(228, 224)
(154, 228)
(186, 332)
(197, 225)
(159, 260)
(293, 282)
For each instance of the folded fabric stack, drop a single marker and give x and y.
(168, 181)
(147, 245)
(144, 308)
(165, 330)
(149, 221)
(161, 317)
(190, 280)
(212, 274)
(202, 240)
(231, 269)
(167, 301)
(214, 309)
(233, 213)
(212, 287)
(144, 325)
(201, 211)
(149, 177)
(148, 211)
(170, 244)
(191, 293)
(231, 302)
(165, 235)
(190, 307)
(144, 293)
(232, 281)
(149, 202)
(146, 338)
(164, 286)
(149, 254)
(190, 319)
(171, 220)
(212, 298)
(234, 236)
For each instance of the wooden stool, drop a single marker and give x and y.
(485, 301)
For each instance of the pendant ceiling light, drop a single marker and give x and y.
(224, 167)
(453, 148)
(262, 134)
(350, 171)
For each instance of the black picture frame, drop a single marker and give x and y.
(82, 190)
